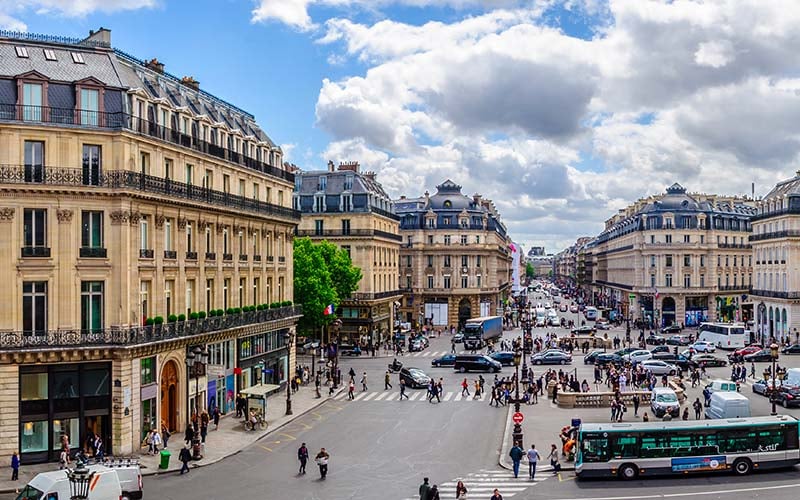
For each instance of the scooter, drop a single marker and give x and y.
(395, 367)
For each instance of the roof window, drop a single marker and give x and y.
(50, 54)
(22, 51)
(77, 58)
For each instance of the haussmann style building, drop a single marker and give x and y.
(145, 220)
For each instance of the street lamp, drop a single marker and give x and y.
(773, 349)
(517, 434)
(289, 337)
(190, 359)
(79, 479)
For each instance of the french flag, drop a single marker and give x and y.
(328, 310)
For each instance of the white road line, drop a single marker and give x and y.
(458, 397)
(391, 396)
(339, 396)
(382, 395)
(370, 396)
(359, 396)
(415, 355)
(426, 354)
(414, 396)
(447, 396)
(694, 493)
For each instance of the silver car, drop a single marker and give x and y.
(658, 367)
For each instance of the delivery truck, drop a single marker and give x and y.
(479, 331)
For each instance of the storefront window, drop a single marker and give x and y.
(34, 436)
(33, 386)
(148, 367)
(68, 426)
(65, 385)
(148, 417)
(94, 382)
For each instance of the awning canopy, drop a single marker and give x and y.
(260, 390)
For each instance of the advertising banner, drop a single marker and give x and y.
(698, 464)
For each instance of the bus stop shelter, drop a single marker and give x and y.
(257, 396)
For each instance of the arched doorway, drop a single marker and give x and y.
(169, 395)
(668, 311)
(464, 312)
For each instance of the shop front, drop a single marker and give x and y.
(221, 380)
(148, 410)
(64, 400)
(262, 359)
(696, 311)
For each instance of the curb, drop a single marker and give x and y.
(197, 465)
(501, 460)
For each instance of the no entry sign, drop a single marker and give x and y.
(518, 417)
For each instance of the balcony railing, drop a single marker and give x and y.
(130, 336)
(375, 295)
(35, 252)
(734, 245)
(777, 295)
(170, 254)
(146, 253)
(125, 180)
(281, 259)
(243, 257)
(733, 288)
(332, 233)
(211, 255)
(93, 253)
(270, 258)
(227, 256)
(256, 258)
(122, 121)
(787, 233)
(191, 255)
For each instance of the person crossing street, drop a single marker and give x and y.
(402, 390)
(302, 456)
(386, 383)
(533, 458)
(465, 387)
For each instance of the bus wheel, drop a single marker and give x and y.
(742, 466)
(628, 472)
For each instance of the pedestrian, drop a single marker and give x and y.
(434, 493)
(155, 438)
(63, 458)
(439, 389)
(424, 489)
(165, 434)
(555, 394)
(99, 451)
(351, 387)
(698, 407)
(188, 436)
(496, 495)
(302, 456)
(533, 458)
(636, 401)
(352, 373)
(403, 390)
(184, 456)
(364, 382)
(386, 382)
(685, 414)
(465, 387)
(204, 428)
(477, 390)
(15, 466)
(215, 414)
(461, 491)
(645, 418)
(322, 461)
(516, 455)
(554, 461)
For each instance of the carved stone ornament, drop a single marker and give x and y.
(119, 217)
(237, 228)
(6, 214)
(64, 216)
(159, 220)
(182, 221)
(134, 218)
(202, 225)
(221, 228)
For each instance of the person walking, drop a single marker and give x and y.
(636, 401)
(188, 436)
(554, 460)
(698, 407)
(434, 493)
(155, 440)
(165, 434)
(322, 461)
(351, 387)
(461, 491)
(204, 428)
(496, 495)
(215, 415)
(464, 388)
(424, 489)
(15, 466)
(402, 390)
(516, 455)
(302, 456)
(533, 458)
(364, 382)
(386, 382)
(184, 456)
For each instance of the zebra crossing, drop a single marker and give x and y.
(424, 354)
(414, 395)
(481, 484)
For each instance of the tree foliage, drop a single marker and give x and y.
(323, 275)
(530, 272)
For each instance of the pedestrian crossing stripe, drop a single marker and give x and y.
(371, 395)
(485, 481)
(382, 395)
(448, 396)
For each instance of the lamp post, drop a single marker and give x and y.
(201, 354)
(517, 434)
(774, 352)
(79, 479)
(190, 358)
(289, 337)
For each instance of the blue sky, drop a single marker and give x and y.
(561, 111)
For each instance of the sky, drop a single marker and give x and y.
(561, 111)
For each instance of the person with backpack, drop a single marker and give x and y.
(516, 455)
(184, 456)
(302, 456)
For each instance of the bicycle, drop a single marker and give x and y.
(259, 421)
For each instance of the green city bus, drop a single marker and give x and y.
(741, 445)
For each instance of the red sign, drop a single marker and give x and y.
(518, 417)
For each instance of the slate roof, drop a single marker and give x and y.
(98, 64)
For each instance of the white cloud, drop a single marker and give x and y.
(12, 10)
(714, 53)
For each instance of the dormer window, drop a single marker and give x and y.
(323, 183)
(448, 204)
(50, 54)
(22, 52)
(348, 183)
(77, 58)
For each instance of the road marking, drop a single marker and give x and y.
(382, 395)
(359, 396)
(288, 436)
(414, 396)
(268, 449)
(370, 396)
(458, 397)
(447, 396)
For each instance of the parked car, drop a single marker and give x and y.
(627, 350)
(505, 358)
(414, 377)
(671, 329)
(762, 355)
(603, 325)
(655, 340)
(551, 358)
(678, 360)
(660, 348)
(583, 330)
(458, 338)
(679, 340)
(704, 346)
(589, 358)
(638, 356)
(607, 358)
(416, 345)
(792, 349)
(708, 360)
(659, 367)
(446, 360)
(664, 399)
(573, 308)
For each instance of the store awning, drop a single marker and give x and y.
(261, 390)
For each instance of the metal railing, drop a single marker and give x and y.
(777, 295)
(93, 253)
(374, 295)
(146, 253)
(211, 256)
(129, 336)
(338, 233)
(170, 254)
(61, 40)
(35, 252)
(734, 245)
(128, 180)
(191, 255)
(786, 233)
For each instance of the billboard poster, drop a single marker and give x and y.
(514, 248)
(698, 464)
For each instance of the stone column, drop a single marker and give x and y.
(122, 393)
(9, 412)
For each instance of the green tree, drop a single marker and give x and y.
(344, 275)
(530, 272)
(313, 287)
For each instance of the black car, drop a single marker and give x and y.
(792, 349)
(671, 329)
(678, 360)
(679, 340)
(606, 358)
(709, 360)
(476, 362)
(414, 377)
(661, 348)
(583, 330)
(655, 340)
(589, 358)
(551, 358)
(504, 357)
(446, 360)
(762, 355)
(788, 395)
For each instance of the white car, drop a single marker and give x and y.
(638, 356)
(547, 305)
(659, 367)
(703, 346)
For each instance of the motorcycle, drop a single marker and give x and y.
(395, 367)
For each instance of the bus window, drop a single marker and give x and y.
(624, 446)
(735, 441)
(771, 440)
(595, 448)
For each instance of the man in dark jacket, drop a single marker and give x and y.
(302, 455)
(424, 489)
(516, 455)
(184, 457)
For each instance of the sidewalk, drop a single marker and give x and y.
(228, 440)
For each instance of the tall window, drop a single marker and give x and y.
(478, 281)
(35, 227)
(464, 280)
(447, 281)
(323, 183)
(256, 291)
(446, 261)
(652, 261)
(430, 260)
(464, 261)
(189, 237)
(169, 293)
(91, 165)
(34, 161)
(144, 234)
(348, 182)
(189, 296)
(346, 227)
(168, 235)
(32, 102)
(144, 163)
(90, 107)
(209, 243)
(91, 306)
(226, 286)
(91, 229)
(281, 290)
(319, 227)
(447, 239)
(687, 260)
(242, 290)
(225, 249)
(668, 260)
(144, 300)
(209, 294)
(169, 169)
(477, 261)
(430, 281)
(242, 243)
(463, 239)
(687, 280)
(702, 281)
(652, 280)
(34, 307)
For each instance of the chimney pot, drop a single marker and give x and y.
(190, 82)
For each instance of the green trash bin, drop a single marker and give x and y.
(165, 454)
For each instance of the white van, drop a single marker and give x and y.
(792, 377)
(721, 385)
(728, 405)
(119, 482)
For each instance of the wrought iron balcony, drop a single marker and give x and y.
(281, 259)
(270, 258)
(211, 255)
(331, 233)
(374, 295)
(191, 255)
(131, 336)
(146, 253)
(35, 252)
(227, 256)
(256, 258)
(93, 253)
(243, 257)
(170, 254)
(125, 180)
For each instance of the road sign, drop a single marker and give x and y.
(631, 296)
(518, 417)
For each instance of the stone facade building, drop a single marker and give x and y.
(351, 209)
(129, 194)
(455, 261)
(674, 258)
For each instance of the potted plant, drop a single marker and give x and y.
(172, 318)
(193, 316)
(181, 317)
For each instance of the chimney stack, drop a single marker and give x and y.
(155, 65)
(331, 166)
(190, 82)
(351, 166)
(100, 38)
